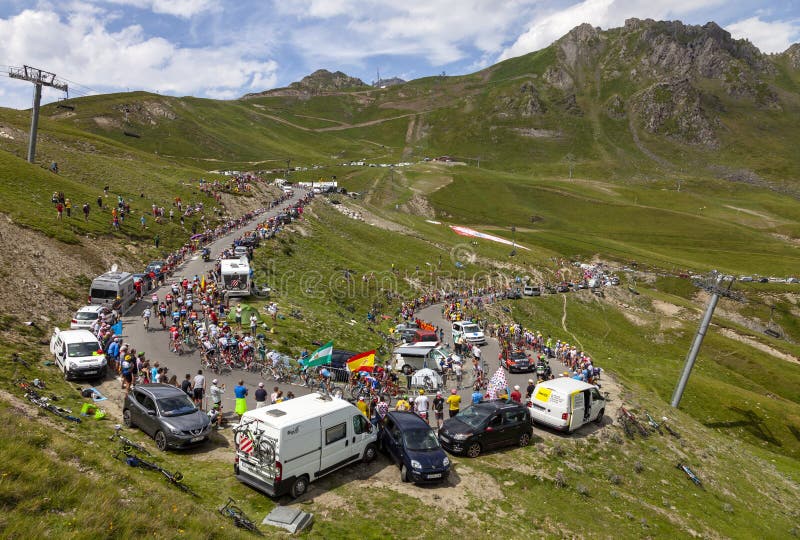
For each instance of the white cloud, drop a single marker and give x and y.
(82, 48)
(548, 27)
(769, 37)
(177, 8)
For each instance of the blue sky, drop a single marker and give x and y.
(223, 49)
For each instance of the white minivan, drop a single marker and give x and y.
(566, 404)
(281, 448)
(78, 354)
(471, 331)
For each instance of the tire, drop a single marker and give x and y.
(524, 440)
(370, 453)
(403, 473)
(126, 418)
(474, 450)
(161, 440)
(599, 419)
(406, 369)
(299, 487)
(336, 392)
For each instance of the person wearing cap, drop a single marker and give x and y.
(453, 402)
(421, 405)
(216, 392)
(529, 389)
(438, 409)
(516, 395)
(261, 396)
(403, 404)
(362, 406)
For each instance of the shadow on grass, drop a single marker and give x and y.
(582, 432)
(752, 422)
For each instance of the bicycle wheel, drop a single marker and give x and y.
(336, 392)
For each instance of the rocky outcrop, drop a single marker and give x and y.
(793, 54)
(615, 107)
(320, 82)
(674, 109)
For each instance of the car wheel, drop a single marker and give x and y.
(299, 487)
(474, 450)
(403, 474)
(161, 440)
(369, 453)
(524, 439)
(126, 418)
(599, 419)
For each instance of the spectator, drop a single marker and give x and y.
(453, 402)
(261, 396)
(240, 391)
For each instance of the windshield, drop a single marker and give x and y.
(87, 315)
(471, 328)
(176, 405)
(87, 348)
(518, 355)
(103, 294)
(472, 416)
(420, 439)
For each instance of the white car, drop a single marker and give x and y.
(78, 354)
(85, 316)
(471, 331)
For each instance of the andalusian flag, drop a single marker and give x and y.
(321, 356)
(362, 362)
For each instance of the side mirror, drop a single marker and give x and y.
(151, 412)
(369, 427)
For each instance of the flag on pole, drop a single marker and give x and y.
(497, 385)
(364, 361)
(203, 283)
(117, 328)
(321, 356)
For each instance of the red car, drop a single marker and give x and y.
(515, 360)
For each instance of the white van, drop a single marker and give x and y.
(281, 448)
(566, 404)
(235, 276)
(425, 354)
(108, 287)
(471, 332)
(78, 354)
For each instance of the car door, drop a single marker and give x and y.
(515, 422)
(493, 432)
(336, 448)
(577, 408)
(391, 439)
(362, 429)
(598, 403)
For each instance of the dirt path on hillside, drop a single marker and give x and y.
(564, 323)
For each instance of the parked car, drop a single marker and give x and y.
(412, 445)
(85, 317)
(167, 414)
(566, 404)
(514, 294)
(157, 268)
(531, 290)
(485, 425)
(78, 354)
(515, 360)
(562, 287)
(614, 280)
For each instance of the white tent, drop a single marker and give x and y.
(426, 378)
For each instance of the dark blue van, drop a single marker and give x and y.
(412, 445)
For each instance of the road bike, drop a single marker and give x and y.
(127, 444)
(230, 510)
(630, 423)
(45, 403)
(693, 477)
(175, 478)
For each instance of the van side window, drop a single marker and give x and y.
(359, 424)
(336, 433)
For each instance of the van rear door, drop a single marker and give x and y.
(577, 408)
(336, 448)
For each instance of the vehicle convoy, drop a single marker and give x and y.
(167, 414)
(281, 448)
(235, 275)
(409, 358)
(78, 354)
(412, 445)
(471, 331)
(113, 289)
(566, 404)
(485, 425)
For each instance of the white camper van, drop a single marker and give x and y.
(235, 276)
(113, 285)
(281, 448)
(566, 404)
(78, 354)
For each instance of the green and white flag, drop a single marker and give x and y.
(321, 356)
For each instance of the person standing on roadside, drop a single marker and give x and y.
(186, 385)
(240, 391)
(198, 388)
(261, 396)
(453, 402)
(86, 210)
(216, 392)
(438, 409)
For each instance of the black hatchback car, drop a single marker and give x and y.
(412, 445)
(486, 425)
(167, 414)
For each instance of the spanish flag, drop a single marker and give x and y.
(362, 362)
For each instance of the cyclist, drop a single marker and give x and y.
(146, 319)
(154, 299)
(325, 378)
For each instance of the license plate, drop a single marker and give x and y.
(197, 439)
(436, 475)
(90, 372)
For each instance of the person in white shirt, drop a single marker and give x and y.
(421, 405)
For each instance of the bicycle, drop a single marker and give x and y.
(330, 389)
(693, 477)
(146, 323)
(655, 425)
(127, 444)
(669, 429)
(263, 448)
(175, 478)
(630, 418)
(45, 404)
(240, 520)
